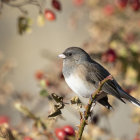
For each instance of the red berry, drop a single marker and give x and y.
(69, 130)
(137, 138)
(56, 4)
(78, 2)
(122, 3)
(4, 119)
(50, 15)
(39, 74)
(135, 4)
(109, 10)
(109, 56)
(27, 138)
(47, 83)
(60, 134)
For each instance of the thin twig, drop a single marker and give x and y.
(16, 5)
(21, 5)
(6, 133)
(84, 119)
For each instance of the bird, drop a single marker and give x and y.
(83, 75)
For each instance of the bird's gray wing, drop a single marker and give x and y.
(97, 73)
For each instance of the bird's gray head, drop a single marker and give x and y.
(74, 54)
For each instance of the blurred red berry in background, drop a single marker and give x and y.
(56, 4)
(108, 10)
(60, 134)
(69, 130)
(78, 2)
(50, 15)
(109, 56)
(121, 3)
(130, 37)
(4, 119)
(39, 75)
(27, 138)
(135, 4)
(137, 137)
(47, 82)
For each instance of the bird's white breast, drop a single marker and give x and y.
(79, 86)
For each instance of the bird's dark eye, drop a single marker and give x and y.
(69, 54)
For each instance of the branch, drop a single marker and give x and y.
(85, 116)
(38, 121)
(6, 133)
(23, 3)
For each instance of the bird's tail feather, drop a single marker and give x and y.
(131, 99)
(134, 101)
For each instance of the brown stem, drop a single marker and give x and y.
(20, 5)
(84, 120)
(6, 133)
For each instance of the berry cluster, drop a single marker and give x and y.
(135, 4)
(40, 75)
(49, 14)
(5, 120)
(109, 9)
(64, 132)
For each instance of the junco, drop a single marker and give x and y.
(83, 75)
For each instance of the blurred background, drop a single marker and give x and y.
(33, 33)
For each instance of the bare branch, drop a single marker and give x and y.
(84, 118)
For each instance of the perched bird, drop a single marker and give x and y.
(82, 74)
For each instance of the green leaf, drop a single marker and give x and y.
(44, 93)
(24, 24)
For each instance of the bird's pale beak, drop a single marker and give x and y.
(62, 56)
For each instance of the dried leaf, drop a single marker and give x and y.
(25, 111)
(56, 113)
(24, 24)
(57, 98)
(6, 133)
(77, 101)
